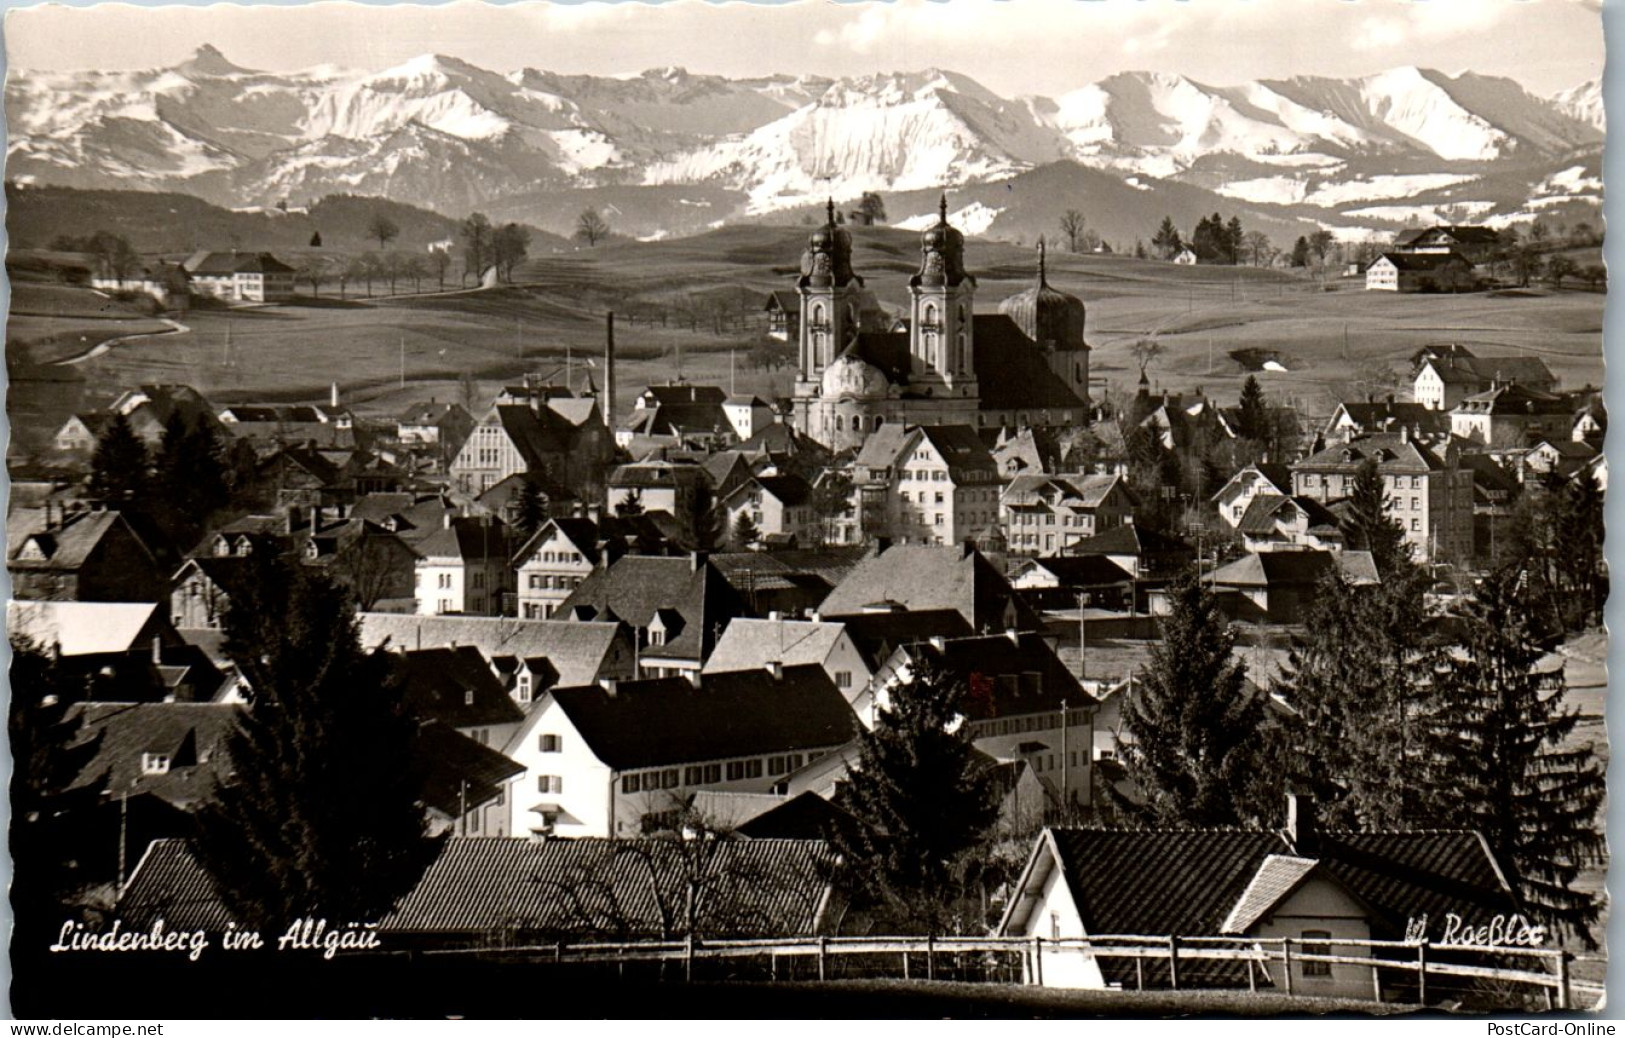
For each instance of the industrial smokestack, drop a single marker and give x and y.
(607, 405)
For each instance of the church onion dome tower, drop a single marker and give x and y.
(827, 261)
(942, 254)
(1051, 318)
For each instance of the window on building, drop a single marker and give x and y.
(668, 779)
(1416, 526)
(549, 783)
(631, 783)
(468, 697)
(549, 743)
(843, 679)
(154, 763)
(713, 773)
(1316, 969)
(692, 775)
(736, 770)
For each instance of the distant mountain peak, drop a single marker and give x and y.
(208, 61)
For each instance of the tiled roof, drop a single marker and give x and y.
(1277, 877)
(634, 587)
(1004, 677)
(666, 721)
(579, 531)
(459, 774)
(439, 683)
(482, 890)
(67, 545)
(1128, 539)
(1265, 509)
(929, 577)
(1378, 416)
(748, 644)
(1392, 452)
(1460, 369)
(1514, 398)
(469, 538)
(1011, 371)
(192, 735)
(579, 651)
(218, 264)
(1275, 569)
(1081, 570)
(877, 635)
(1423, 261)
(684, 393)
(84, 628)
(804, 817)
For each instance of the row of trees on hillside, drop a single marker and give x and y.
(1214, 240)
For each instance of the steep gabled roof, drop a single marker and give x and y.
(669, 721)
(749, 644)
(578, 651)
(469, 538)
(458, 773)
(1392, 452)
(191, 735)
(1465, 369)
(918, 576)
(456, 686)
(1004, 676)
(84, 628)
(1012, 373)
(1128, 539)
(635, 587)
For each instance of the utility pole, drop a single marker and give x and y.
(123, 833)
(1083, 635)
(403, 361)
(1066, 770)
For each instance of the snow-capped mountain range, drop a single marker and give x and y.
(444, 133)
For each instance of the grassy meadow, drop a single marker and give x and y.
(1332, 339)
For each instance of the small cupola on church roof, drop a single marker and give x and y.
(1048, 316)
(942, 253)
(828, 258)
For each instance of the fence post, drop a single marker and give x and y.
(1252, 978)
(688, 958)
(1422, 974)
(1173, 961)
(905, 965)
(1564, 995)
(823, 942)
(1286, 964)
(1139, 970)
(930, 957)
(558, 951)
(1376, 984)
(1038, 960)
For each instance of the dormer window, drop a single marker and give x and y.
(312, 550)
(468, 697)
(222, 546)
(155, 764)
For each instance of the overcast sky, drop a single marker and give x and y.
(1013, 47)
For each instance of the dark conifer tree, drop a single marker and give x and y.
(120, 467)
(1509, 764)
(917, 804)
(1300, 252)
(1253, 415)
(52, 862)
(1368, 527)
(1357, 734)
(745, 534)
(1195, 726)
(1167, 241)
(1578, 527)
(321, 815)
(530, 509)
(190, 478)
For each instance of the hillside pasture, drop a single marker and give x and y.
(687, 304)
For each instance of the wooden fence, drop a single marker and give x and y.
(1545, 971)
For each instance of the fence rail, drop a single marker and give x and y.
(1546, 970)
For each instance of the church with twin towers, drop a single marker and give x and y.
(858, 368)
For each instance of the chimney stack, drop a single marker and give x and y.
(609, 686)
(1300, 823)
(333, 395)
(157, 651)
(776, 668)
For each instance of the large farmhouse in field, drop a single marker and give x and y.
(240, 277)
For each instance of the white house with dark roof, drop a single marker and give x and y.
(240, 277)
(1301, 882)
(464, 568)
(1445, 378)
(927, 484)
(606, 760)
(1262, 478)
(553, 563)
(778, 506)
(1045, 515)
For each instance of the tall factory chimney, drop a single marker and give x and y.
(607, 405)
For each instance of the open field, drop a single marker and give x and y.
(1199, 314)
